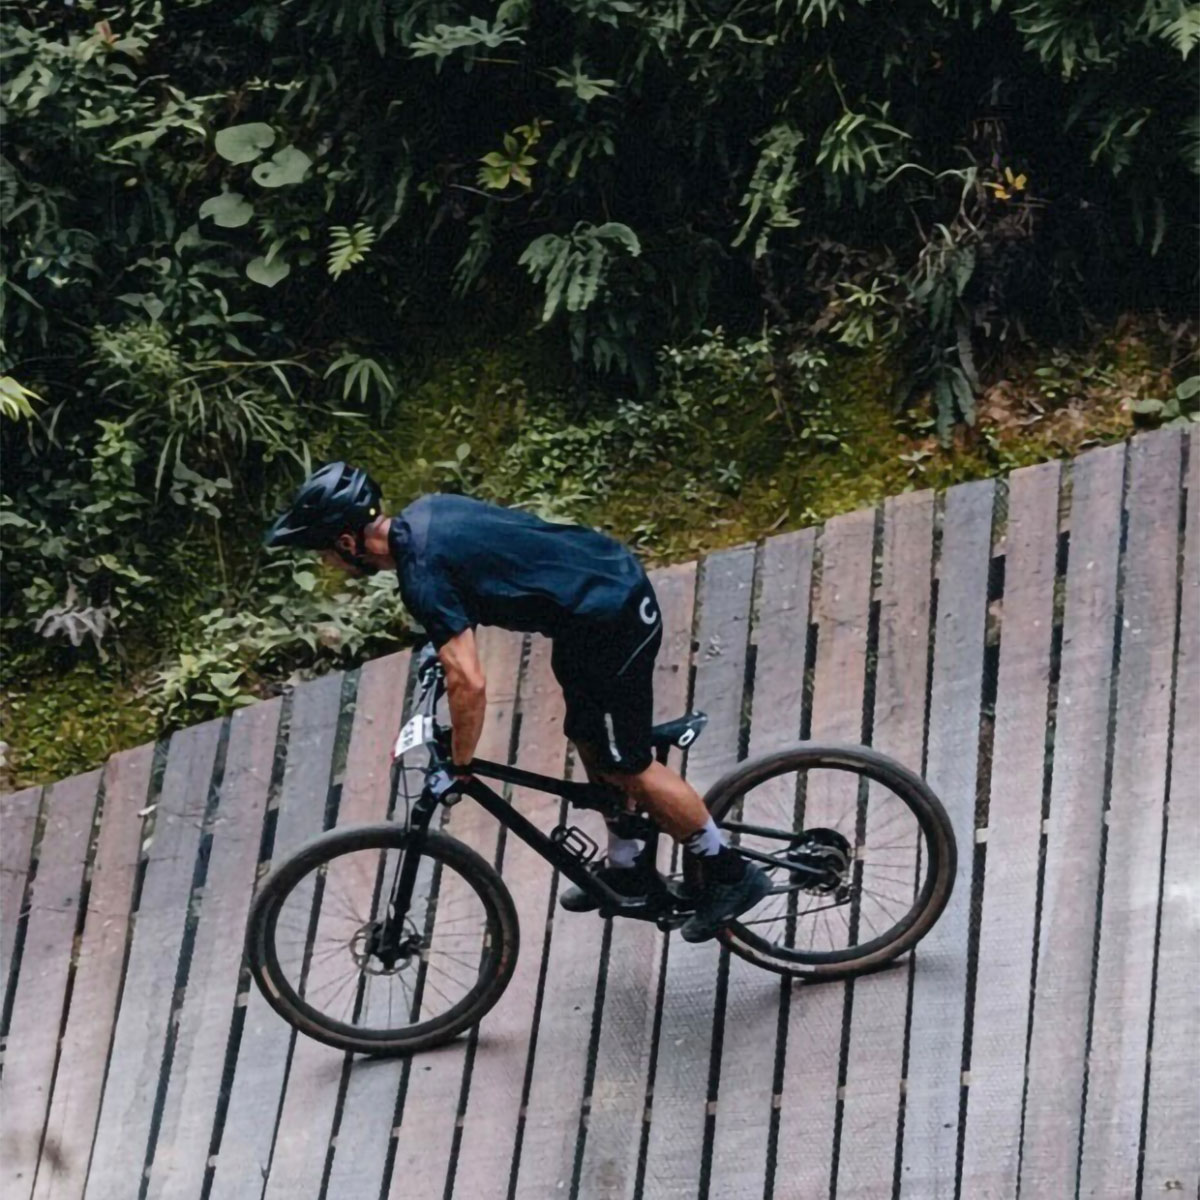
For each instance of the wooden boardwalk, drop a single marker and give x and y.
(1033, 645)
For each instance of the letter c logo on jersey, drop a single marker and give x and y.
(647, 612)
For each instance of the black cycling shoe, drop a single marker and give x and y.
(722, 900)
(627, 881)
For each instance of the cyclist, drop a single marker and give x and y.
(462, 563)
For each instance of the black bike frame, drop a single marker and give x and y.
(572, 865)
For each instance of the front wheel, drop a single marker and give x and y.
(318, 953)
(860, 853)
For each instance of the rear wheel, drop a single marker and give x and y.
(860, 854)
(315, 947)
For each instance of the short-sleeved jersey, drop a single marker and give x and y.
(463, 563)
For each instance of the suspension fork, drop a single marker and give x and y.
(418, 823)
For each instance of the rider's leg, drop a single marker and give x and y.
(676, 808)
(673, 803)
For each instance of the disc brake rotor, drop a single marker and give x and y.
(364, 949)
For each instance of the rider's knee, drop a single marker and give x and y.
(635, 785)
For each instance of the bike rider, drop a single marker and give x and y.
(463, 563)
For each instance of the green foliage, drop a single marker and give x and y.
(365, 376)
(575, 268)
(243, 143)
(428, 142)
(213, 411)
(297, 627)
(447, 40)
(16, 401)
(213, 215)
(511, 165)
(1181, 408)
(348, 247)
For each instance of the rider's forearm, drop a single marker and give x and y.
(468, 704)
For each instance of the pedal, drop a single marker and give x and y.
(575, 842)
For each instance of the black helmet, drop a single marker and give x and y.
(335, 498)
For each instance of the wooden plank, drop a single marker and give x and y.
(306, 1120)
(1004, 975)
(875, 1060)
(244, 1151)
(198, 1061)
(434, 1086)
(747, 1084)
(75, 1104)
(18, 822)
(131, 1086)
(1172, 1162)
(808, 1104)
(365, 1132)
(933, 1083)
(552, 1110)
(42, 984)
(1054, 1094)
(617, 1105)
(1129, 912)
(680, 1101)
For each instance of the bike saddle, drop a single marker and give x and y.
(681, 732)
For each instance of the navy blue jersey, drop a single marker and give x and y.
(463, 563)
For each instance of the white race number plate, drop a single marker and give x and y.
(416, 732)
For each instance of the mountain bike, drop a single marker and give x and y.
(393, 938)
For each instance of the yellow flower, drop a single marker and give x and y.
(1012, 183)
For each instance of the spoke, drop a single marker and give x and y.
(825, 922)
(462, 962)
(905, 811)
(886, 895)
(348, 981)
(429, 983)
(336, 982)
(784, 916)
(891, 912)
(442, 922)
(448, 974)
(329, 916)
(862, 912)
(329, 952)
(888, 878)
(771, 915)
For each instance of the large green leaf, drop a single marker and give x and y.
(230, 210)
(244, 143)
(287, 166)
(267, 273)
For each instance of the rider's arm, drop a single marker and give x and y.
(467, 693)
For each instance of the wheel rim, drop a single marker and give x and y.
(850, 862)
(323, 954)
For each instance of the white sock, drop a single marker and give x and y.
(623, 851)
(706, 842)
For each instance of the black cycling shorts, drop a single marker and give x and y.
(606, 670)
